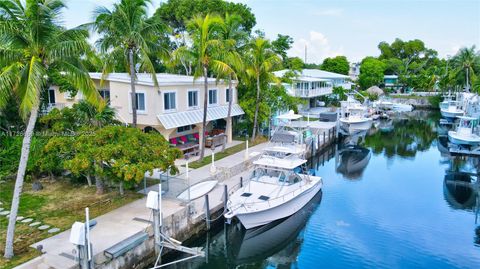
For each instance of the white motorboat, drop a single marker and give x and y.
(465, 132)
(451, 111)
(402, 107)
(277, 189)
(279, 185)
(383, 105)
(354, 116)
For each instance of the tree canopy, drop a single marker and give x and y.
(371, 72)
(337, 64)
(176, 13)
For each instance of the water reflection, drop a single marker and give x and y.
(352, 161)
(402, 136)
(459, 190)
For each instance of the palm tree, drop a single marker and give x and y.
(34, 46)
(206, 32)
(466, 60)
(261, 61)
(128, 34)
(233, 38)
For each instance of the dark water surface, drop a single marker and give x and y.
(391, 199)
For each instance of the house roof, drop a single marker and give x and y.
(313, 73)
(177, 119)
(164, 79)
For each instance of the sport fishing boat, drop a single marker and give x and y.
(451, 111)
(278, 188)
(353, 117)
(465, 133)
(280, 184)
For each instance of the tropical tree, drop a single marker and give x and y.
(371, 72)
(260, 62)
(337, 64)
(206, 33)
(129, 35)
(466, 62)
(233, 38)
(34, 46)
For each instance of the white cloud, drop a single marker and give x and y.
(318, 48)
(328, 12)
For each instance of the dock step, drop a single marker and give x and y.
(122, 247)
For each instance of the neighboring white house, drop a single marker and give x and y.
(310, 84)
(174, 108)
(354, 71)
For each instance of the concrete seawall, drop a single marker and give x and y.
(179, 221)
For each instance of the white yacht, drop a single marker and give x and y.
(451, 110)
(465, 135)
(277, 189)
(353, 117)
(279, 185)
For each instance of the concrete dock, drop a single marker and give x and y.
(122, 223)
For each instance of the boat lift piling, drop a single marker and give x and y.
(161, 240)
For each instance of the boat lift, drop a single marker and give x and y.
(154, 202)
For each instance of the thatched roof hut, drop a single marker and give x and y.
(375, 90)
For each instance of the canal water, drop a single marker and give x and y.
(392, 198)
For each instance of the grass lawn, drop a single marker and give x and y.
(227, 152)
(59, 204)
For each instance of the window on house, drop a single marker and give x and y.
(212, 97)
(192, 98)
(105, 94)
(169, 100)
(51, 96)
(185, 128)
(227, 95)
(140, 101)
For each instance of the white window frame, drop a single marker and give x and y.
(163, 101)
(145, 111)
(216, 99)
(188, 100)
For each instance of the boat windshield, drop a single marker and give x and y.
(275, 176)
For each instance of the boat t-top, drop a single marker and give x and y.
(279, 185)
(353, 116)
(465, 133)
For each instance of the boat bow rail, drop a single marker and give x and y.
(264, 205)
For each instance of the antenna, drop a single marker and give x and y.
(305, 53)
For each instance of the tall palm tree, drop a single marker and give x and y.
(34, 46)
(260, 63)
(206, 33)
(233, 39)
(467, 60)
(128, 34)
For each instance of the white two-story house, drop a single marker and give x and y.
(311, 84)
(174, 108)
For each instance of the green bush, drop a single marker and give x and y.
(435, 100)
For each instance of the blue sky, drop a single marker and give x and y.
(349, 27)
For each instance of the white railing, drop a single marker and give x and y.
(313, 92)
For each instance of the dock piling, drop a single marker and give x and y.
(225, 196)
(207, 212)
(241, 182)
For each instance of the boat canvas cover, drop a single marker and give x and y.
(283, 137)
